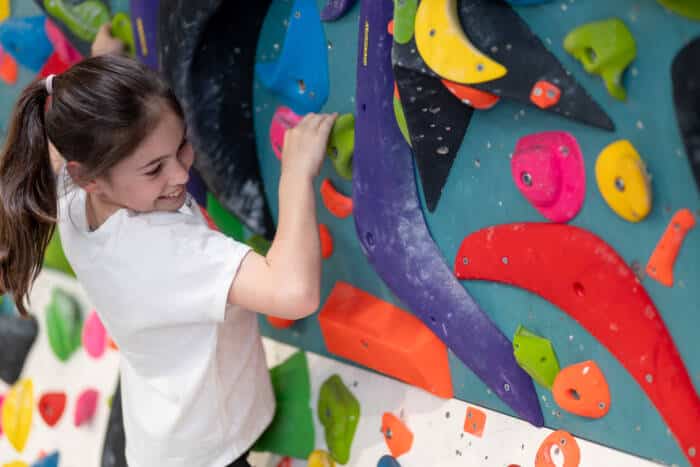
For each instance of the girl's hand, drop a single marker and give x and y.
(305, 145)
(105, 43)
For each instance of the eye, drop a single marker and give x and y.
(154, 171)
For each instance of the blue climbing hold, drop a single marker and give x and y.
(25, 39)
(48, 461)
(388, 461)
(300, 75)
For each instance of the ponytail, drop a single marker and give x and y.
(28, 199)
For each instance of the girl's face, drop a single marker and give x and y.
(153, 178)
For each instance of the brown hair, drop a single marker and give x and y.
(99, 112)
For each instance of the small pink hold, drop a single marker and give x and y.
(283, 119)
(94, 336)
(85, 407)
(548, 170)
(62, 46)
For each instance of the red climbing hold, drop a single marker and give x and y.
(208, 218)
(280, 323)
(398, 437)
(285, 462)
(660, 266)
(326, 241)
(473, 97)
(475, 421)
(556, 446)
(53, 66)
(338, 204)
(51, 407)
(545, 94)
(582, 390)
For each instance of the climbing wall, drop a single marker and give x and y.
(480, 192)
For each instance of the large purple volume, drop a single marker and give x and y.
(144, 18)
(395, 237)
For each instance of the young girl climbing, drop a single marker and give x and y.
(172, 293)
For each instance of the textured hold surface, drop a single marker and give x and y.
(660, 265)
(121, 29)
(475, 421)
(114, 443)
(397, 436)
(51, 407)
(335, 9)
(583, 390)
(224, 220)
(320, 458)
(558, 449)
(394, 236)
(300, 75)
(17, 411)
(341, 145)
(337, 203)
(339, 412)
(582, 275)
(25, 39)
(604, 48)
(64, 324)
(85, 407)
(83, 19)
(146, 16)
(227, 160)
(686, 97)
(4, 9)
(388, 461)
(94, 336)
(623, 181)
(291, 432)
(48, 461)
(61, 45)
(404, 20)
(55, 258)
(283, 120)
(17, 336)
(374, 333)
(687, 8)
(8, 68)
(326, 241)
(536, 355)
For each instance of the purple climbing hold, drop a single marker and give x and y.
(335, 9)
(395, 237)
(25, 39)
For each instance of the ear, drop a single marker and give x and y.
(76, 171)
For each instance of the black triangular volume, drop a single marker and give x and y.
(437, 122)
(495, 29)
(115, 440)
(685, 74)
(17, 336)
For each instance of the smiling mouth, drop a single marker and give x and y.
(174, 195)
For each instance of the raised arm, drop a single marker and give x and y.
(286, 283)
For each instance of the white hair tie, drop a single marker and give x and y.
(49, 84)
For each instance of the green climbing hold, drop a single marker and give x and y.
(227, 223)
(605, 48)
(401, 119)
(260, 244)
(122, 30)
(536, 356)
(54, 257)
(339, 412)
(291, 432)
(341, 145)
(64, 324)
(83, 20)
(404, 20)
(687, 8)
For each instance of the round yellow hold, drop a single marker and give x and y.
(320, 458)
(623, 181)
(17, 413)
(16, 464)
(446, 49)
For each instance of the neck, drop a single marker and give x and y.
(98, 211)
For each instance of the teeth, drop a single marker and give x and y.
(174, 195)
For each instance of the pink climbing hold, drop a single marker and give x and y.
(85, 407)
(548, 170)
(94, 336)
(283, 119)
(62, 46)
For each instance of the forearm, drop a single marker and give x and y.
(295, 254)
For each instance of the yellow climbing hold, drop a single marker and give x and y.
(16, 464)
(623, 181)
(446, 49)
(17, 413)
(4, 9)
(320, 458)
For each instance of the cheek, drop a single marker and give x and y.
(187, 157)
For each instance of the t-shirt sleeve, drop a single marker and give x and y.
(184, 272)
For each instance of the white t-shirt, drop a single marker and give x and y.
(195, 386)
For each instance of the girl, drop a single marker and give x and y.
(173, 294)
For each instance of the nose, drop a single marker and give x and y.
(180, 173)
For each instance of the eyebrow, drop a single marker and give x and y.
(182, 143)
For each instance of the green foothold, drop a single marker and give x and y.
(536, 356)
(227, 223)
(260, 244)
(404, 20)
(604, 48)
(54, 257)
(84, 19)
(401, 119)
(64, 324)
(339, 412)
(688, 8)
(122, 30)
(291, 432)
(341, 145)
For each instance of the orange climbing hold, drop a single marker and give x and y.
(381, 336)
(390, 27)
(582, 390)
(285, 462)
(207, 217)
(280, 323)
(112, 344)
(398, 437)
(660, 265)
(473, 97)
(326, 241)
(475, 421)
(8, 68)
(545, 94)
(338, 204)
(558, 449)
